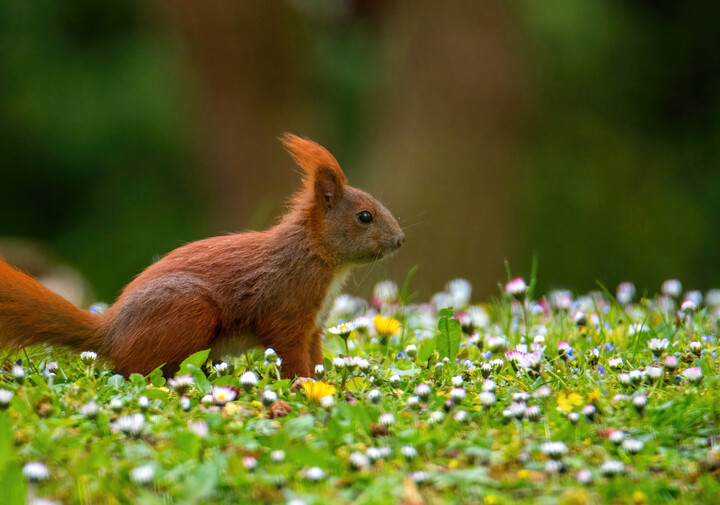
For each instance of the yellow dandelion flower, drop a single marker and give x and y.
(568, 401)
(232, 408)
(639, 498)
(453, 463)
(524, 474)
(386, 326)
(593, 396)
(317, 390)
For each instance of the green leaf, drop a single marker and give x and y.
(156, 394)
(187, 443)
(12, 483)
(227, 380)
(116, 381)
(201, 482)
(447, 342)
(426, 349)
(356, 414)
(382, 490)
(197, 359)
(405, 296)
(201, 381)
(103, 423)
(405, 373)
(474, 475)
(533, 277)
(156, 377)
(356, 383)
(300, 426)
(137, 380)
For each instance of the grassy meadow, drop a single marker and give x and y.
(552, 399)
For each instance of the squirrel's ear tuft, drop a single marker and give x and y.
(323, 174)
(311, 156)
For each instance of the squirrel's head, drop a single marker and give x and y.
(349, 225)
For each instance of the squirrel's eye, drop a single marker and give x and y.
(365, 217)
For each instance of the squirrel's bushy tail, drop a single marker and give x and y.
(32, 314)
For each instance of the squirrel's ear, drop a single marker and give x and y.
(323, 174)
(327, 188)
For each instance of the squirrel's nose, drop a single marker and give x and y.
(400, 240)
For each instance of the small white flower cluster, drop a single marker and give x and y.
(222, 395)
(315, 474)
(612, 468)
(5, 398)
(375, 453)
(359, 461)
(181, 383)
(350, 363)
(327, 402)
(459, 291)
(625, 292)
(131, 425)
(487, 398)
(269, 397)
(457, 395)
(516, 288)
(221, 368)
(616, 436)
(250, 463)
(385, 292)
(88, 357)
(18, 373)
(248, 380)
(554, 450)
(344, 329)
(658, 345)
(143, 474)
(270, 355)
(387, 419)
(409, 452)
(632, 446)
(35, 471)
(90, 410)
(423, 391)
(693, 374)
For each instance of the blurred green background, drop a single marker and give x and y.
(587, 133)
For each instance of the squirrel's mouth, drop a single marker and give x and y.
(383, 251)
(386, 252)
(372, 257)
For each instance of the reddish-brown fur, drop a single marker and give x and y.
(258, 288)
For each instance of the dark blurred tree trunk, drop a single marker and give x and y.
(441, 151)
(246, 61)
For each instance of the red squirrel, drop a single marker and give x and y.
(272, 288)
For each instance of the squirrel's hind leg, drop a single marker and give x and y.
(147, 333)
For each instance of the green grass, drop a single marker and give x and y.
(213, 454)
